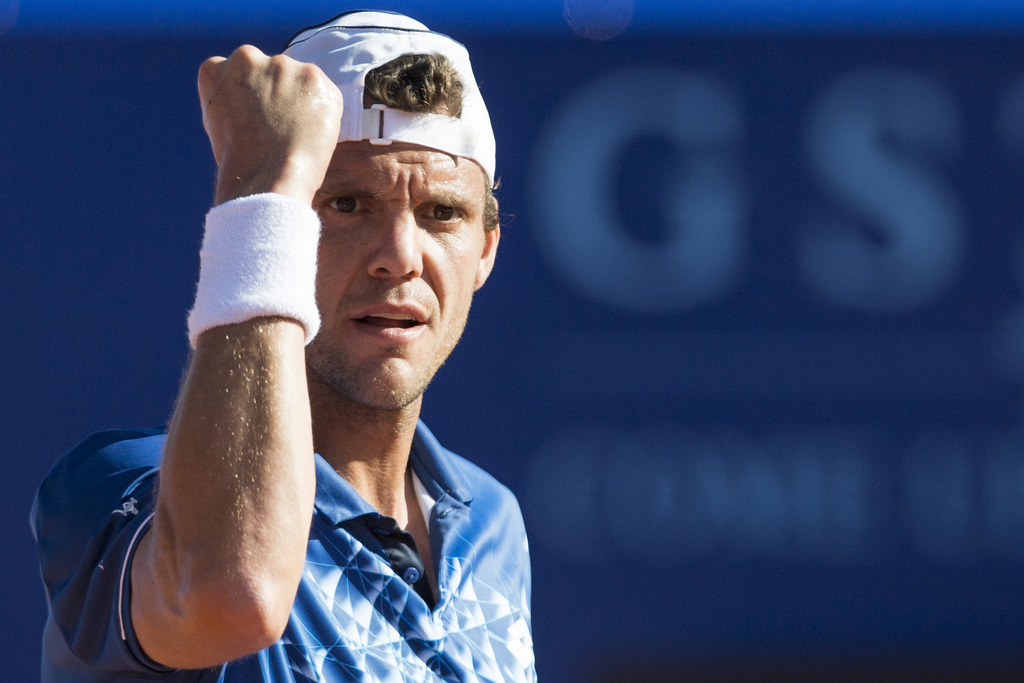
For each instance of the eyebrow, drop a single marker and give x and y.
(450, 198)
(345, 190)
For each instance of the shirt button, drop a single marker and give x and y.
(411, 575)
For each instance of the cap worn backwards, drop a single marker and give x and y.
(350, 45)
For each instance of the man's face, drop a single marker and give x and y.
(402, 250)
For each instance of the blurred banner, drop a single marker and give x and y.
(752, 356)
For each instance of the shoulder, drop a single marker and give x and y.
(492, 503)
(492, 536)
(82, 488)
(100, 469)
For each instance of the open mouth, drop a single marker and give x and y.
(381, 321)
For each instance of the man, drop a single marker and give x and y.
(297, 522)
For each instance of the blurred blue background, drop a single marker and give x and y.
(752, 357)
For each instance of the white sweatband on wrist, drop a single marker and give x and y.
(258, 259)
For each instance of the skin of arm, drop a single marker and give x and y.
(215, 576)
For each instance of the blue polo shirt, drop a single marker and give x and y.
(353, 619)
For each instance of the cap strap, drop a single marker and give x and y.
(382, 125)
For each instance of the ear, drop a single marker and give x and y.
(491, 238)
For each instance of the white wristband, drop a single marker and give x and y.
(258, 259)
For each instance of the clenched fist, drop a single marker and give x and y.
(273, 123)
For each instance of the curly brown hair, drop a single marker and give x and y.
(416, 83)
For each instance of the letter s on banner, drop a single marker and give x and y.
(574, 174)
(868, 143)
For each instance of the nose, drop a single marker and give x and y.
(397, 251)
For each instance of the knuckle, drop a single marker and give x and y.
(310, 71)
(244, 59)
(210, 66)
(248, 52)
(209, 74)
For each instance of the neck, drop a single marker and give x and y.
(368, 447)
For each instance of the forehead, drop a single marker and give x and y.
(379, 167)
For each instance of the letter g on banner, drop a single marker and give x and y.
(574, 176)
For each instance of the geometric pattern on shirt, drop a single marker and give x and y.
(382, 630)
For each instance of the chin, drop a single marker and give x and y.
(384, 398)
(381, 388)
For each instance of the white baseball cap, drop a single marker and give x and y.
(351, 44)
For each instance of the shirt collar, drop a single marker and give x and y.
(435, 466)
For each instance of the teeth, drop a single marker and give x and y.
(394, 316)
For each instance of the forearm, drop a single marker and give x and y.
(215, 576)
(217, 573)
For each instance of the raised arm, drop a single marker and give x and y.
(215, 576)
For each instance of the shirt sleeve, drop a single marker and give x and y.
(88, 517)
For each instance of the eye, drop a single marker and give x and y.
(343, 204)
(443, 212)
